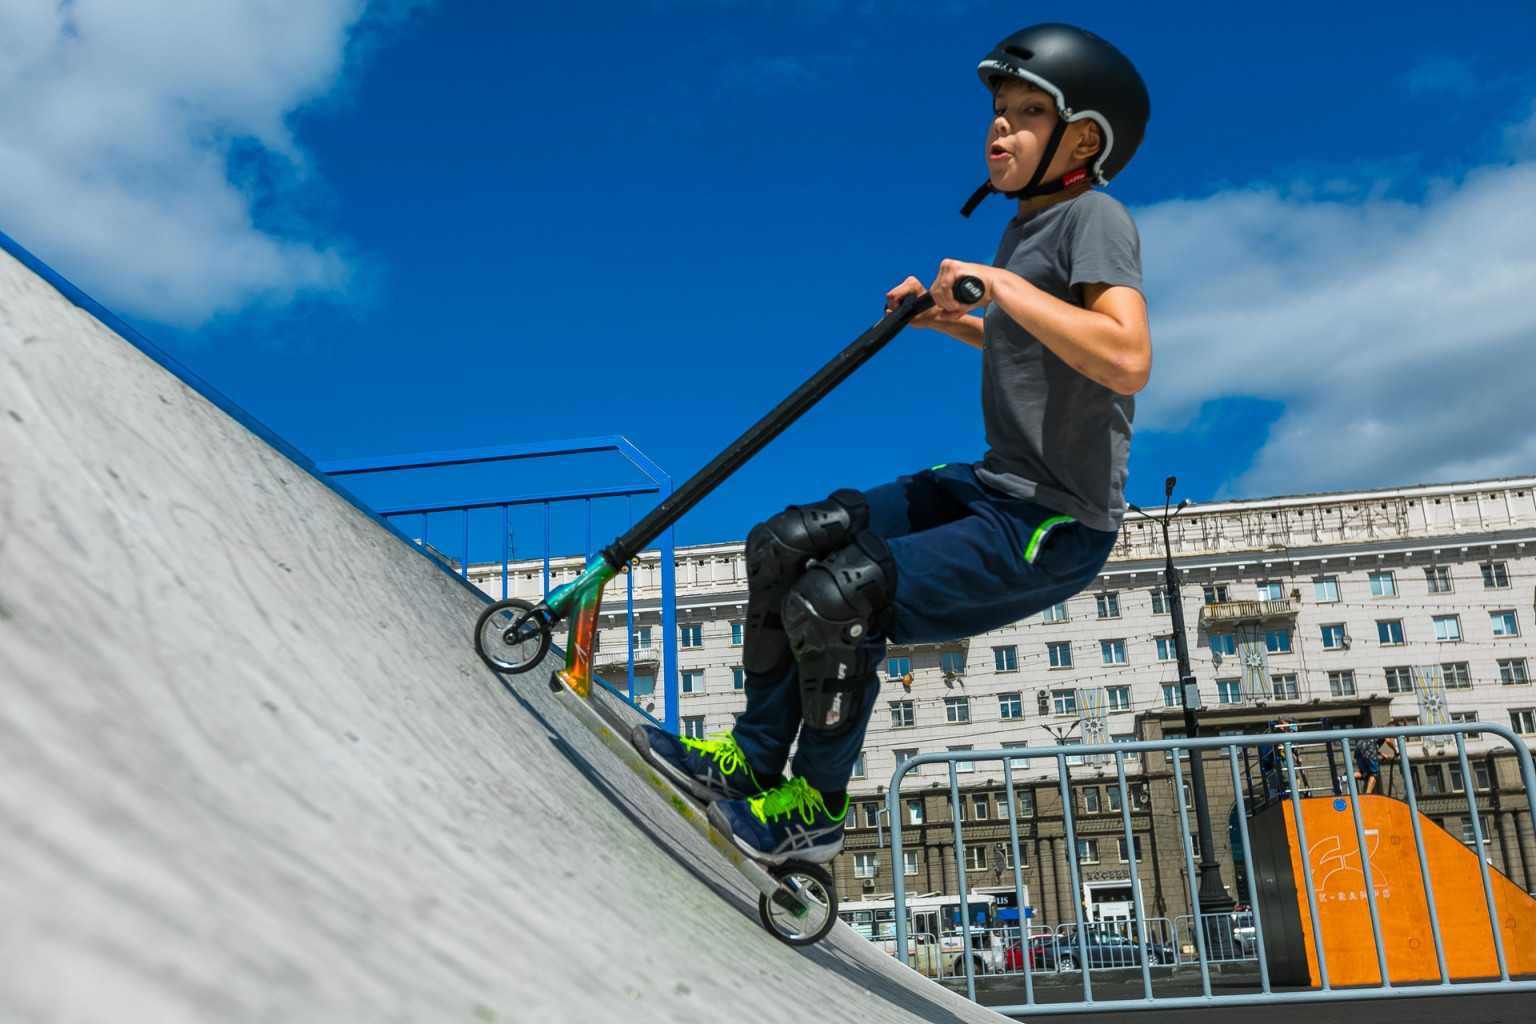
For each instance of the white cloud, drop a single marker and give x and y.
(1400, 336)
(120, 125)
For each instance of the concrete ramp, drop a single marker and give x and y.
(250, 768)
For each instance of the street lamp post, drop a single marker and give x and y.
(1213, 895)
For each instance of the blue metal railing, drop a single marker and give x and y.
(660, 485)
(1324, 989)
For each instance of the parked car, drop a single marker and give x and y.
(1105, 950)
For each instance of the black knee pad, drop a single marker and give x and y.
(834, 616)
(777, 553)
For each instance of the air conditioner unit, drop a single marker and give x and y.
(869, 885)
(1142, 798)
(1344, 642)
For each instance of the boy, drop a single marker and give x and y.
(958, 549)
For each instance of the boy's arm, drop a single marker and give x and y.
(1107, 340)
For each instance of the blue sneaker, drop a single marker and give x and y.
(712, 769)
(789, 822)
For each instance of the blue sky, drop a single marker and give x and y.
(407, 226)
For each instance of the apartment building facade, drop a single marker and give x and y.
(1402, 605)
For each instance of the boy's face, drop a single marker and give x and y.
(1023, 119)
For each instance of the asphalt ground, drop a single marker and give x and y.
(1503, 1008)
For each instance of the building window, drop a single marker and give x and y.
(738, 678)
(870, 810)
(1072, 759)
(645, 685)
(1135, 845)
(1055, 613)
(915, 813)
(1495, 575)
(1112, 795)
(1108, 605)
(902, 716)
(1333, 636)
(1059, 654)
(1224, 643)
(1215, 593)
(1326, 589)
(1342, 683)
(1026, 802)
(1448, 628)
(1118, 698)
(864, 865)
(1513, 672)
(1008, 856)
(1017, 762)
(1399, 679)
(1469, 834)
(1189, 801)
(1504, 623)
(909, 863)
(1160, 601)
(1092, 799)
(1010, 706)
(858, 767)
(1383, 583)
(975, 857)
(1229, 691)
(981, 807)
(1171, 696)
(1064, 702)
(952, 663)
(1463, 717)
(1271, 590)
(642, 637)
(1389, 632)
(692, 634)
(1087, 851)
(693, 680)
(904, 754)
(1523, 720)
(1166, 649)
(957, 709)
(1457, 675)
(1278, 641)
(1439, 579)
(1479, 775)
(1283, 686)
(736, 633)
(1112, 651)
(961, 767)
(898, 667)
(1005, 659)
(693, 727)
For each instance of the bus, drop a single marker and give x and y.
(936, 945)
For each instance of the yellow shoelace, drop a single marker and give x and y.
(794, 797)
(723, 750)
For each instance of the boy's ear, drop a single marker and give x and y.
(1089, 140)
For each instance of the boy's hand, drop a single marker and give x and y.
(946, 305)
(908, 288)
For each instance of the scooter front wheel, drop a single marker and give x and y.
(511, 637)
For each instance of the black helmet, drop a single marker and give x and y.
(1089, 79)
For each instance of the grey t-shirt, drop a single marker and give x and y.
(1054, 436)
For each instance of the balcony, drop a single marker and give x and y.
(1232, 613)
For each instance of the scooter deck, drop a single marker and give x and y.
(608, 724)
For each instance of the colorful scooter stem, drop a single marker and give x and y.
(581, 599)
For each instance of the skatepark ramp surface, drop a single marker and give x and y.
(251, 768)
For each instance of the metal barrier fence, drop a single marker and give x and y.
(660, 485)
(1134, 944)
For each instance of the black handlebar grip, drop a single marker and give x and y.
(969, 290)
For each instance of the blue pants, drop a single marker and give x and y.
(968, 560)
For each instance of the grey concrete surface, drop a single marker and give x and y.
(251, 770)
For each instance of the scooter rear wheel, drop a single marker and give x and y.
(804, 909)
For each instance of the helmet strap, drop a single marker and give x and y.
(1033, 188)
